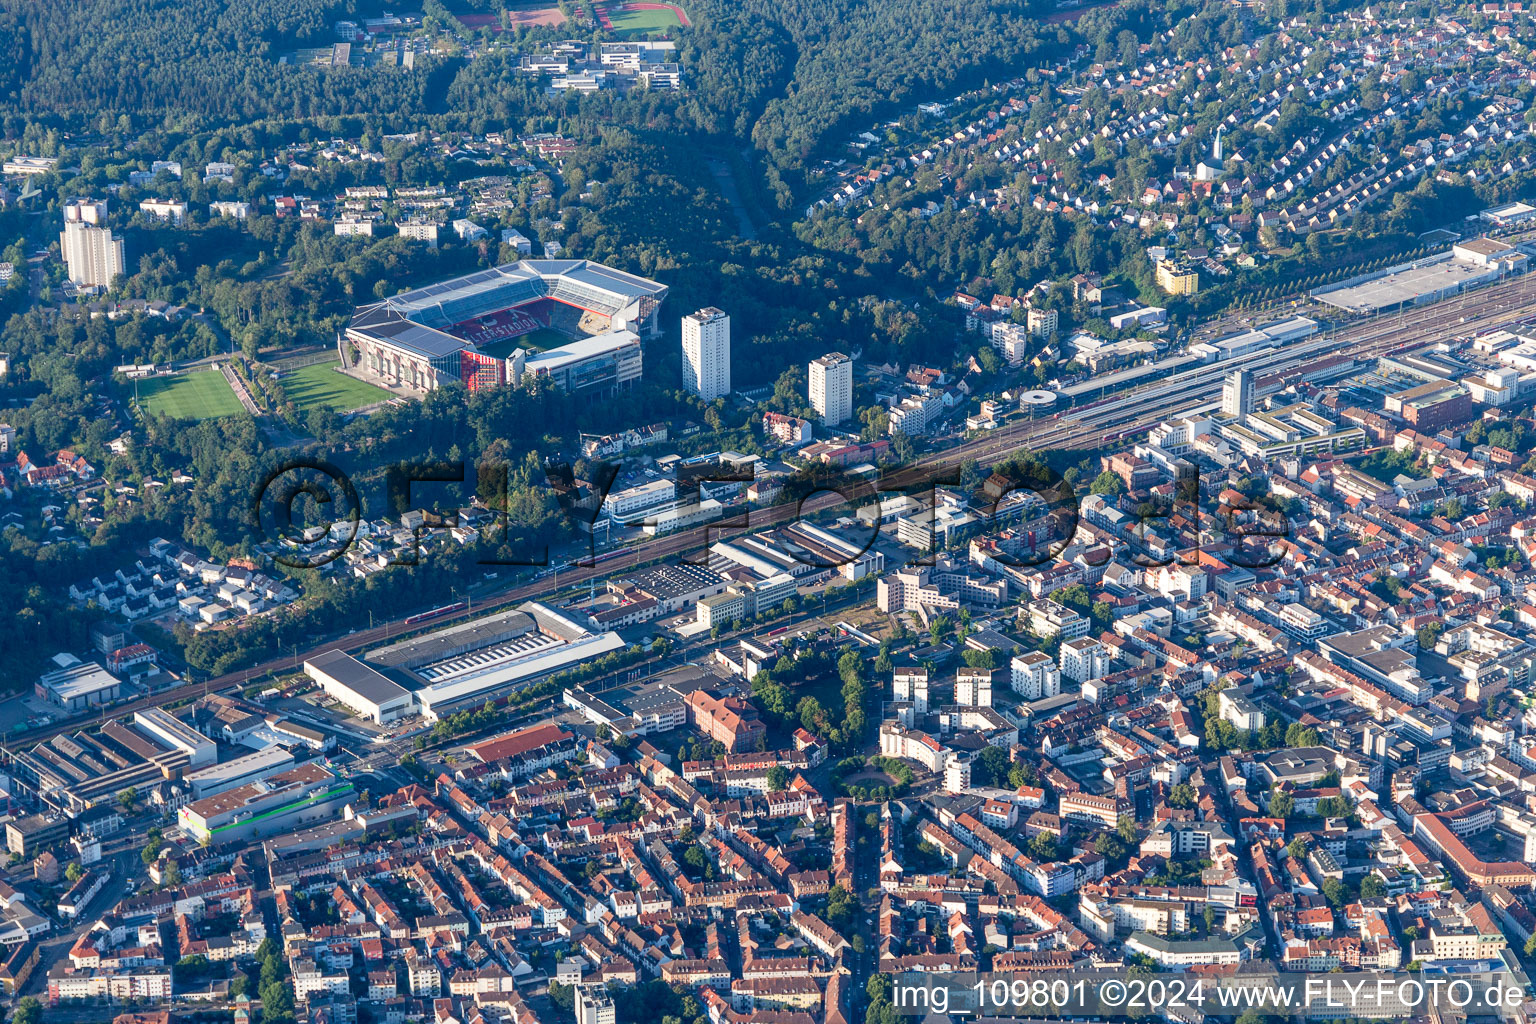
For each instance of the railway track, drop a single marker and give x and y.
(1132, 411)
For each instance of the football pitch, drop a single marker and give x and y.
(534, 341)
(642, 22)
(202, 395)
(320, 385)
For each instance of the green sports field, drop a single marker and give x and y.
(642, 22)
(537, 340)
(202, 395)
(320, 385)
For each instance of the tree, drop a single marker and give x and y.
(813, 717)
(1372, 887)
(1281, 804)
(74, 872)
(1333, 807)
(1298, 735)
(1334, 891)
(1297, 848)
(1182, 795)
(980, 659)
(1108, 846)
(127, 798)
(841, 907)
(1429, 635)
(778, 778)
(1108, 483)
(190, 968)
(1043, 846)
(1125, 828)
(993, 765)
(28, 1011)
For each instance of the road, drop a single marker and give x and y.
(127, 869)
(1079, 429)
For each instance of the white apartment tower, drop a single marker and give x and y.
(973, 688)
(957, 774)
(1034, 675)
(94, 257)
(831, 387)
(1237, 393)
(910, 683)
(594, 1005)
(707, 353)
(1084, 659)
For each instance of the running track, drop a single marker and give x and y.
(650, 5)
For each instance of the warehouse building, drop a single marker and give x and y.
(302, 795)
(487, 659)
(359, 687)
(1509, 214)
(1429, 279)
(78, 685)
(25, 837)
(74, 772)
(241, 771)
(178, 735)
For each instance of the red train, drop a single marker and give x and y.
(436, 613)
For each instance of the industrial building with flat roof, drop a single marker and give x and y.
(301, 795)
(78, 686)
(176, 734)
(74, 772)
(468, 664)
(26, 836)
(1509, 213)
(1409, 284)
(252, 767)
(358, 686)
(1255, 339)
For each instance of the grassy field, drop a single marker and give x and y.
(642, 22)
(535, 341)
(202, 395)
(320, 385)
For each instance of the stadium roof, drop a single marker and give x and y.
(578, 282)
(382, 322)
(576, 351)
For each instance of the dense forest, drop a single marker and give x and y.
(657, 212)
(125, 82)
(786, 76)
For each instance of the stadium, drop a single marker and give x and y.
(577, 322)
